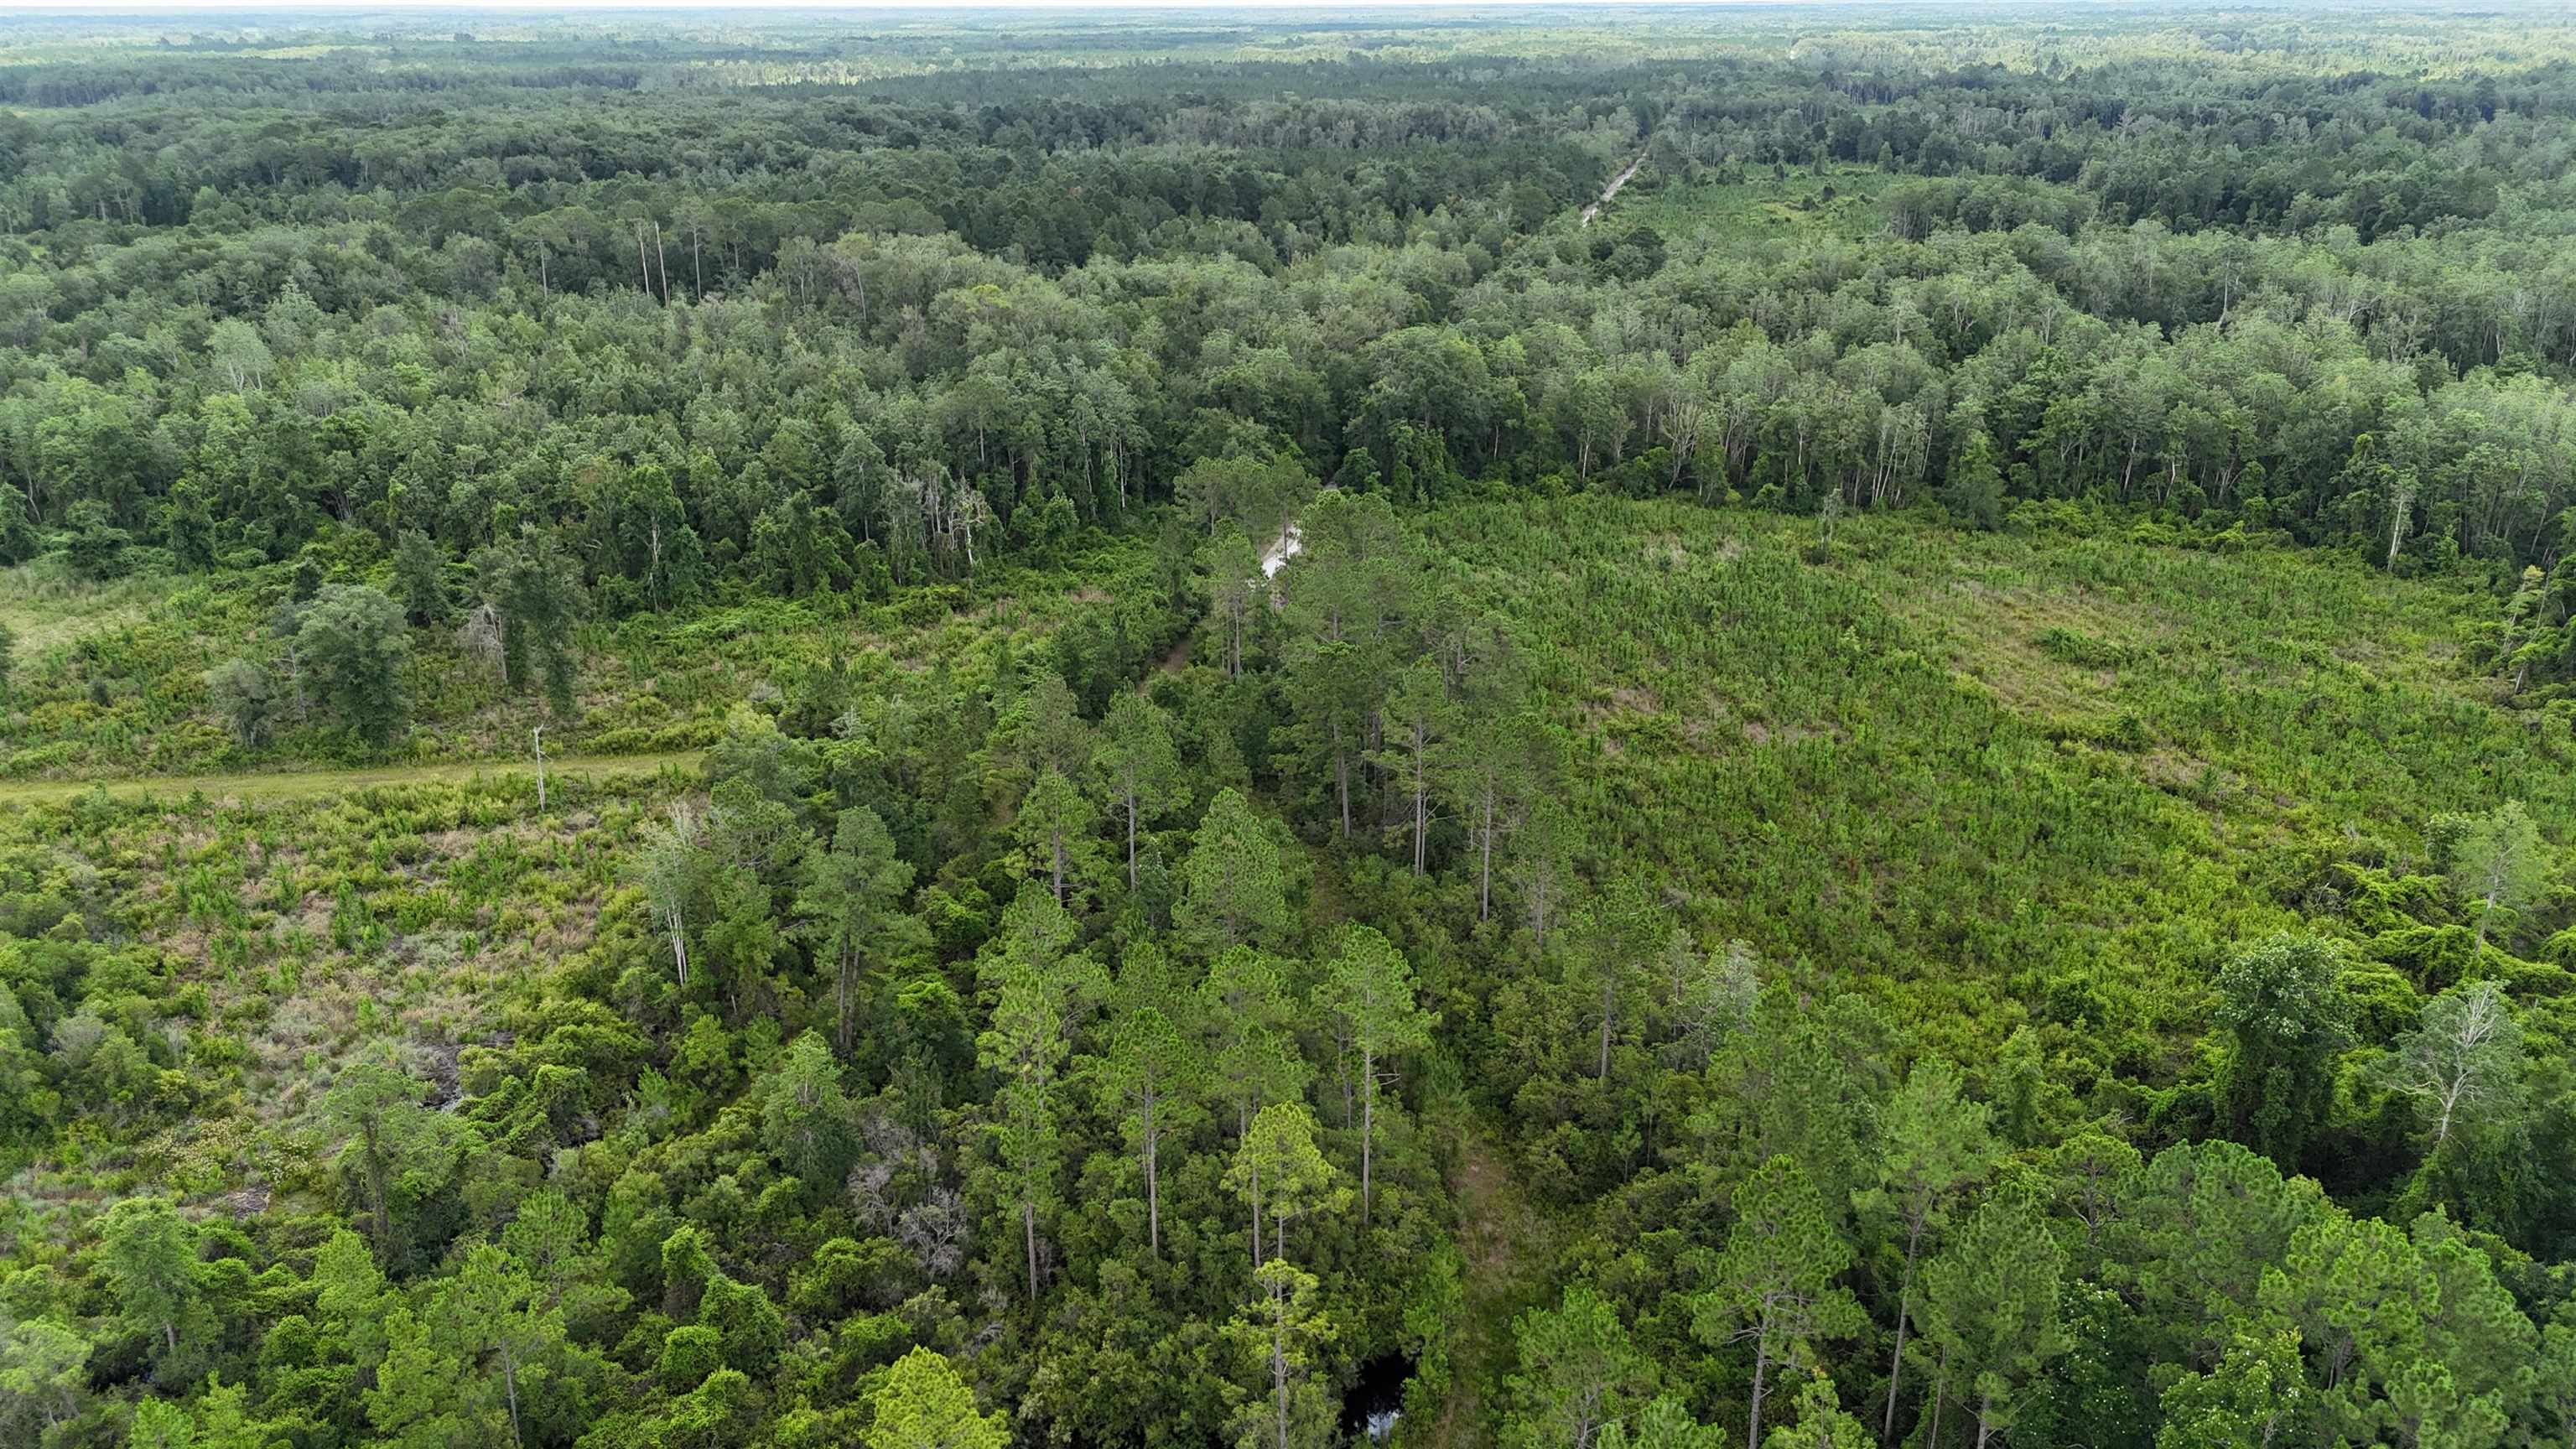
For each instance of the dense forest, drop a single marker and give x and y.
(1599, 729)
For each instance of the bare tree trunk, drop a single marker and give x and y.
(1421, 810)
(1485, 865)
(1342, 778)
(1029, 1226)
(1896, 1362)
(841, 994)
(1761, 1370)
(1279, 1370)
(375, 1193)
(1609, 990)
(1368, 1125)
(1153, 1194)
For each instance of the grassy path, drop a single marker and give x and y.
(1511, 1256)
(1612, 190)
(309, 784)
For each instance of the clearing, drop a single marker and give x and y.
(308, 784)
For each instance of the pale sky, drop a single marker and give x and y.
(522, 7)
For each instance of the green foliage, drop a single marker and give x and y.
(1991, 1309)
(354, 638)
(1282, 1330)
(149, 1256)
(1775, 1287)
(1579, 1374)
(2015, 544)
(1233, 889)
(1821, 1423)
(420, 579)
(2497, 864)
(245, 696)
(96, 547)
(2282, 1001)
(2255, 1396)
(922, 1404)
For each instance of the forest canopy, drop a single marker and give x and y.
(1604, 729)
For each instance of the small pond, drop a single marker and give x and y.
(1370, 1409)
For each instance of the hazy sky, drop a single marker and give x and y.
(199, 7)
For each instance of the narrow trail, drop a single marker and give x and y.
(1290, 543)
(1612, 189)
(1511, 1255)
(307, 784)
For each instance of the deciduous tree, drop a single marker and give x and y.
(353, 637)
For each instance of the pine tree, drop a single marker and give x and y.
(349, 1293)
(1283, 1329)
(44, 1367)
(1154, 1073)
(1622, 931)
(1053, 830)
(149, 1255)
(1488, 768)
(1776, 1282)
(376, 1105)
(1252, 1053)
(804, 1116)
(2194, 1231)
(1233, 888)
(1279, 1169)
(1418, 719)
(921, 1403)
(1027, 1046)
(1137, 768)
(849, 903)
(1370, 987)
(489, 1315)
(420, 1394)
(1236, 588)
(1991, 1309)
(1821, 1423)
(1580, 1375)
(1664, 1424)
(1934, 1144)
